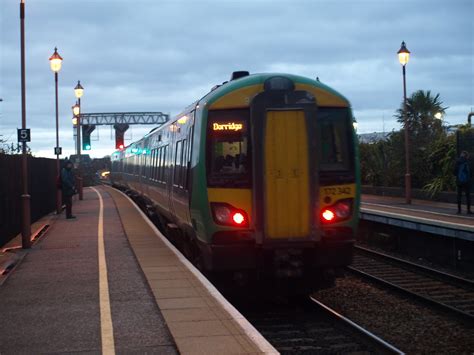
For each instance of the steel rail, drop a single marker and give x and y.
(465, 316)
(381, 345)
(443, 276)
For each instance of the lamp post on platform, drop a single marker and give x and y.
(403, 57)
(25, 197)
(78, 92)
(55, 62)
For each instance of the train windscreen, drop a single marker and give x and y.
(335, 139)
(228, 151)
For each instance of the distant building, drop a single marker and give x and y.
(373, 137)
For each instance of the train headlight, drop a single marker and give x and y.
(227, 215)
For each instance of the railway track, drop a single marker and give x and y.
(311, 327)
(445, 291)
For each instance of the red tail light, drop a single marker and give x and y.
(337, 212)
(328, 215)
(238, 218)
(227, 215)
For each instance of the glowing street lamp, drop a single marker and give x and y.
(76, 109)
(403, 54)
(403, 58)
(55, 61)
(78, 90)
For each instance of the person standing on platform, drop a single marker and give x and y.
(68, 187)
(462, 171)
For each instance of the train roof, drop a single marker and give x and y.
(244, 80)
(255, 79)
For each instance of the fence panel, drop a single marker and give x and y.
(42, 189)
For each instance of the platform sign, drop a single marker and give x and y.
(24, 135)
(58, 150)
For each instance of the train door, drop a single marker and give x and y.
(286, 175)
(171, 156)
(284, 194)
(179, 198)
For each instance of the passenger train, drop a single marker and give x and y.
(258, 179)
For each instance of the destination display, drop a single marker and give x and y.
(230, 126)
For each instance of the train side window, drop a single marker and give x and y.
(152, 164)
(158, 164)
(164, 164)
(155, 163)
(148, 164)
(177, 163)
(182, 163)
(335, 139)
(189, 157)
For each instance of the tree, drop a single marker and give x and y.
(432, 151)
(421, 111)
(441, 159)
(424, 131)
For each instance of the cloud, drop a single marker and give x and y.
(163, 55)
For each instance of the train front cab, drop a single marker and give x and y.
(281, 178)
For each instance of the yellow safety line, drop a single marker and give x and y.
(106, 327)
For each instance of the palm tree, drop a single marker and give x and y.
(421, 111)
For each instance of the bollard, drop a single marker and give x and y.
(79, 188)
(25, 222)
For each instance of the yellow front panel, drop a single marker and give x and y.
(286, 175)
(237, 98)
(323, 97)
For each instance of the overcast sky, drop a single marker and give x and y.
(152, 55)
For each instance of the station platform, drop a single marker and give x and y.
(110, 282)
(426, 216)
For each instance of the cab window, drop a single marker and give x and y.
(228, 148)
(335, 138)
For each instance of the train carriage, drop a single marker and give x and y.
(258, 178)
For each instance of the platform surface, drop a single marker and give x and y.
(427, 216)
(122, 290)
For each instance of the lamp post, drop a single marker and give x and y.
(403, 57)
(78, 92)
(55, 62)
(75, 119)
(25, 197)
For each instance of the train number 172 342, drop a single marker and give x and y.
(337, 190)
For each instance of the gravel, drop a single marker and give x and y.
(406, 324)
(469, 275)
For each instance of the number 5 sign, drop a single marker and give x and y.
(24, 135)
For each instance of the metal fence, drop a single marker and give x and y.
(42, 189)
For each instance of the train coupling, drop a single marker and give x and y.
(288, 263)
